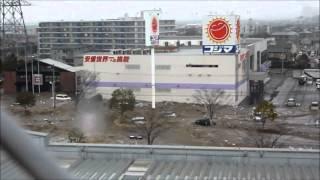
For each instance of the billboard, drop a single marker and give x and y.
(151, 19)
(221, 34)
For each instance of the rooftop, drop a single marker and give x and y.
(290, 33)
(107, 161)
(58, 64)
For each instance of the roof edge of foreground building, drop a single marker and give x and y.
(121, 161)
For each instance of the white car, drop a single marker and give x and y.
(62, 97)
(292, 103)
(309, 81)
(138, 120)
(168, 114)
(314, 105)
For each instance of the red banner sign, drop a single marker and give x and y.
(104, 58)
(244, 56)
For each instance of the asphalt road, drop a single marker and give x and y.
(304, 95)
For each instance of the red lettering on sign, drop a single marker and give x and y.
(112, 59)
(93, 58)
(119, 58)
(125, 58)
(87, 59)
(99, 58)
(105, 59)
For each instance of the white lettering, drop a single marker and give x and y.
(227, 49)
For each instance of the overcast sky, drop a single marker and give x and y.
(42, 10)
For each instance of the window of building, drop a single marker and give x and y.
(163, 67)
(251, 62)
(133, 66)
(203, 65)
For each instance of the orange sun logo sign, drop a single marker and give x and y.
(218, 30)
(154, 25)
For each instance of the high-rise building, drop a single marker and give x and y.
(103, 35)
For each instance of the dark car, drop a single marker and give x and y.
(203, 122)
(301, 82)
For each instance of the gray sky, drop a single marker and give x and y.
(179, 10)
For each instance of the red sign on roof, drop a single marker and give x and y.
(105, 58)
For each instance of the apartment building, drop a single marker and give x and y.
(103, 35)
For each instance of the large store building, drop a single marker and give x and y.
(60, 37)
(180, 74)
(223, 63)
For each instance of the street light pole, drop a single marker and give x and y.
(38, 73)
(153, 86)
(53, 87)
(32, 80)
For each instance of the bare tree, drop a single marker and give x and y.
(86, 84)
(153, 126)
(76, 136)
(267, 138)
(263, 140)
(209, 99)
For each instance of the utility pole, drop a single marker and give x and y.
(12, 21)
(32, 75)
(53, 87)
(38, 73)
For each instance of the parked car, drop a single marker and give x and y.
(15, 104)
(292, 103)
(316, 123)
(168, 114)
(139, 104)
(138, 120)
(62, 97)
(309, 81)
(257, 116)
(301, 82)
(135, 137)
(318, 86)
(203, 122)
(314, 105)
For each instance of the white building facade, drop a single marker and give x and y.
(178, 75)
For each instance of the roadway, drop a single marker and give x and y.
(304, 95)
